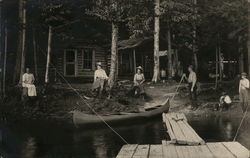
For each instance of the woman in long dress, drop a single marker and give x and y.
(28, 82)
(139, 79)
(99, 78)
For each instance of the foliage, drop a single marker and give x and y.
(109, 10)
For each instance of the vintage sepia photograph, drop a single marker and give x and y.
(124, 78)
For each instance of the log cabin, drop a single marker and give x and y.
(140, 52)
(77, 61)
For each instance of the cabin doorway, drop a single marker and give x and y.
(126, 67)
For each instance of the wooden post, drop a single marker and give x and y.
(134, 56)
(48, 55)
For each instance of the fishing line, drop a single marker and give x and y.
(178, 86)
(83, 99)
(241, 122)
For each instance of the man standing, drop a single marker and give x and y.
(192, 81)
(243, 91)
(28, 82)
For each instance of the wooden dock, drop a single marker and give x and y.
(168, 150)
(184, 143)
(180, 131)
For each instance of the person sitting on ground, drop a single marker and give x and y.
(99, 78)
(139, 79)
(28, 80)
(225, 101)
(192, 84)
(243, 91)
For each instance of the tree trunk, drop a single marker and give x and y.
(241, 56)
(19, 48)
(248, 41)
(35, 53)
(23, 53)
(156, 75)
(216, 68)
(194, 38)
(170, 65)
(4, 62)
(220, 62)
(241, 62)
(1, 51)
(113, 67)
(48, 55)
(134, 59)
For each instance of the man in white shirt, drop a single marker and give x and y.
(99, 78)
(192, 81)
(243, 91)
(28, 82)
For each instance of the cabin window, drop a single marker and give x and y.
(70, 62)
(88, 59)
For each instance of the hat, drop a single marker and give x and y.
(139, 67)
(98, 64)
(191, 66)
(223, 92)
(243, 74)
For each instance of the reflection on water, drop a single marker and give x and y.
(29, 148)
(41, 141)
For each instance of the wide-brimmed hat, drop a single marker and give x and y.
(243, 74)
(139, 67)
(99, 64)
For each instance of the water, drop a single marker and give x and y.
(41, 140)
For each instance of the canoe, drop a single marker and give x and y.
(81, 119)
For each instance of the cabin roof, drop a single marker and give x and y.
(132, 42)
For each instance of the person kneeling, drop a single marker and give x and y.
(138, 82)
(28, 80)
(225, 102)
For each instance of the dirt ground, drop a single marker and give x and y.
(57, 102)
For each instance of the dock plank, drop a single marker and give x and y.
(185, 151)
(179, 151)
(219, 150)
(206, 153)
(169, 150)
(155, 151)
(169, 129)
(237, 149)
(190, 138)
(142, 151)
(180, 131)
(192, 152)
(197, 137)
(180, 138)
(182, 116)
(127, 151)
